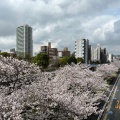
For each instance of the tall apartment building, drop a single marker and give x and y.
(96, 53)
(104, 55)
(82, 49)
(24, 41)
(110, 57)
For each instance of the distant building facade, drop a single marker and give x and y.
(12, 50)
(51, 52)
(60, 53)
(44, 49)
(24, 41)
(104, 55)
(110, 57)
(64, 53)
(98, 54)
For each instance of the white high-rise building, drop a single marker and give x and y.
(24, 41)
(81, 49)
(96, 53)
(110, 57)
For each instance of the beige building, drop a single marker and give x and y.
(51, 52)
(64, 53)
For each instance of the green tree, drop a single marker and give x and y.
(67, 60)
(81, 60)
(19, 58)
(41, 59)
(14, 55)
(54, 62)
(63, 61)
(27, 57)
(72, 59)
(5, 54)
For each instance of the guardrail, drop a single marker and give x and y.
(107, 101)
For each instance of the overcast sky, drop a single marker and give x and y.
(61, 22)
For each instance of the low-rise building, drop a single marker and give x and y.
(51, 52)
(64, 53)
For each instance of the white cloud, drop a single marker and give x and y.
(6, 43)
(61, 21)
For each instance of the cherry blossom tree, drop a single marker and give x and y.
(79, 89)
(71, 93)
(107, 70)
(15, 73)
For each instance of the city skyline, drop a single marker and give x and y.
(62, 22)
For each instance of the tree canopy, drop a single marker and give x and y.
(5, 54)
(41, 59)
(72, 59)
(63, 61)
(67, 60)
(81, 60)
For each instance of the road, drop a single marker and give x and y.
(113, 112)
